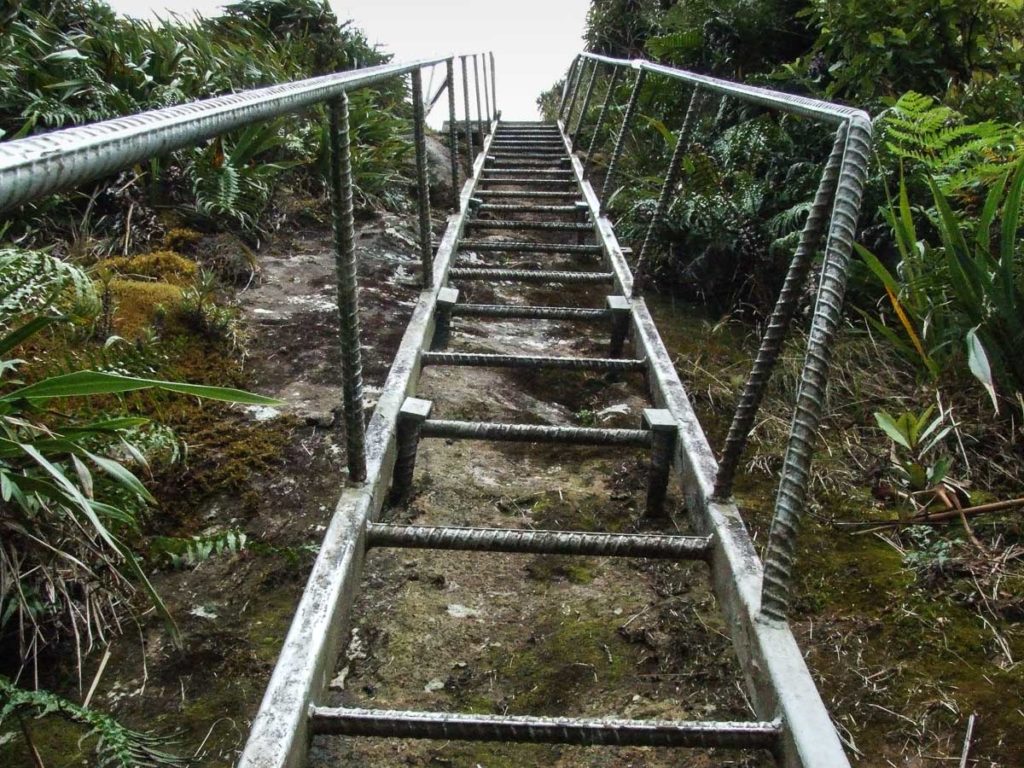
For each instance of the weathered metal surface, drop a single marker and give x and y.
(620, 138)
(612, 83)
(347, 289)
(523, 193)
(479, 111)
(539, 542)
(663, 428)
(570, 85)
(511, 311)
(495, 274)
(778, 325)
(586, 105)
(533, 433)
(413, 413)
(487, 92)
(497, 246)
(64, 159)
(534, 183)
(468, 131)
(544, 730)
(453, 141)
(553, 226)
(532, 361)
(494, 87)
(422, 179)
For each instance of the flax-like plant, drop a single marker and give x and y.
(69, 492)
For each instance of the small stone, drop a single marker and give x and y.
(436, 684)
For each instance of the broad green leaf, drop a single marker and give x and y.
(83, 383)
(117, 471)
(29, 329)
(977, 360)
(888, 425)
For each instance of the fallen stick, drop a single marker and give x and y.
(967, 741)
(936, 517)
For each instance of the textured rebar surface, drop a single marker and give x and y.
(479, 113)
(796, 465)
(581, 65)
(453, 141)
(422, 179)
(407, 443)
(347, 289)
(466, 116)
(573, 69)
(487, 93)
(526, 247)
(778, 324)
(585, 106)
(522, 163)
(523, 193)
(555, 226)
(528, 275)
(620, 139)
(529, 313)
(483, 360)
(534, 433)
(543, 730)
(534, 183)
(596, 544)
(672, 173)
(538, 172)
(494, 86)
(61, 160)
(603, 113)
(542, 153)
(525, 208)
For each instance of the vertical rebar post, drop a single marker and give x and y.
(665, 198)
(487, 92)
(571, 107)
(619, 308)
(407, 440)
(469, 132)
(422, 178)
(776, 588)
(447, 298)
(453, 141)
(781, 318)
(586, 104)
(570, 76)
(663, 430)
(494, 87)
(620, 140)
(348, 297)
(479, 112)
(604, 113)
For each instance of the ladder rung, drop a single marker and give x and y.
(521, 208)
(533, 433)
(495, 274)
(527, 144)
(524, 193)
(534, 542)
(529, 171)
(530, 313)
(543, 730)
(527, 161)
(482, 360)
(532, 154)
(558, 226)
(497, 246)
(524, 180)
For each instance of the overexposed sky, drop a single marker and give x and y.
(533, 40)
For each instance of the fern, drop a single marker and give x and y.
(33, 282)
(937, 138)
(188, 553)
(116, 745)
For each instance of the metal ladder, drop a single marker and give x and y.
(529, 168)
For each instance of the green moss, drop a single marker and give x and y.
(161, 266)
(138, 304)
(567, 656)
(570, 511)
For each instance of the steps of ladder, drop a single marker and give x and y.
(523, 193)
(526, 312)
(528, 154)
(497, 246)
(557, 226)
(526, 160)
(543, 730)
(523, 208)
(533, 433)
(539, 542)
(495, 274)
(482, 360)
(527, 180)
(529, 171)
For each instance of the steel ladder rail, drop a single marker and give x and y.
(792, 720)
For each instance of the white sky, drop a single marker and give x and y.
(533, 40)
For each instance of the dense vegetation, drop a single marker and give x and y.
(109, 298)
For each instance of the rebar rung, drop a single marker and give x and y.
(543, 730)
(558, 226)
(528, 275)
(525, 208)
(530, 171)
(526, 180)
(534, 542)
(514, 311)
(525, 247)
(534, 433)
(523, 193)
(482, 360)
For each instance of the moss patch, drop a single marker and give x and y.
(138, 304)
(162, 266)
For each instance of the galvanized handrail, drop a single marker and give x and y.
(841, 191)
